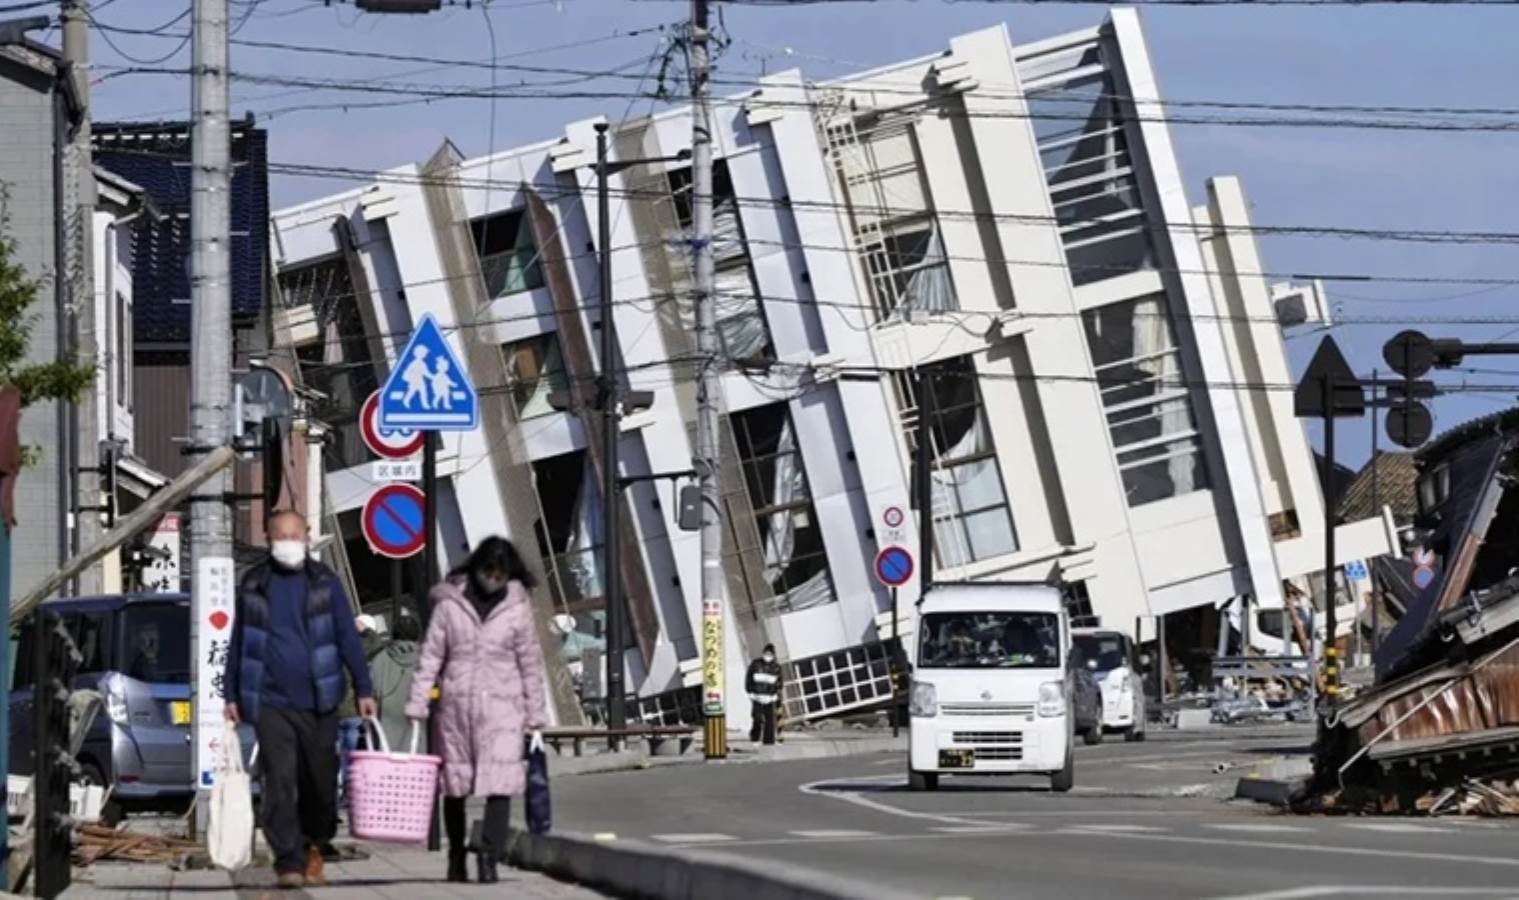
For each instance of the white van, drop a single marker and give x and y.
(991, 689)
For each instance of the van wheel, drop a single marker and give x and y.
(1065, 779)
(111, 812)
(922, 781)
(1092, 736)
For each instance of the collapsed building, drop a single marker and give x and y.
(1009, 218)
(1442, 718)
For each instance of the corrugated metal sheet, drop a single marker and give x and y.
(1470, 702)
(161, 384)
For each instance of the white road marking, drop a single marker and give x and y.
(1397, 827)
(833, 833)
(1060, 813)
(1006, 827)
(694, 838)
(1507, 862)
(1116, 827)
(1372, 890)
(1258, 827)
(841, 792)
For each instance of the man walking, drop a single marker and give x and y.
(294, 634)
(763, 683)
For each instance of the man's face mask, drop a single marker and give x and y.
(288, 554)
(769, 657)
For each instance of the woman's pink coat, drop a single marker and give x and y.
(491, 674)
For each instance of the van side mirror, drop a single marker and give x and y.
(1092, 664)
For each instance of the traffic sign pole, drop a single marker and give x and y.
(896, 674)
(430, 570)
(1331, 664)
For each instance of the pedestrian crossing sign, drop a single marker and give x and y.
(428, 389)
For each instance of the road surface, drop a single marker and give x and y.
(1145, 821)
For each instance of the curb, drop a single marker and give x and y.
(602, 763)
(636, 870)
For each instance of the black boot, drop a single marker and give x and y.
(488, 867)
(458, 868)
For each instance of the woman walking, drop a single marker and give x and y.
(482, 650)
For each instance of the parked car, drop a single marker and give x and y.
(136, 653)
(1112, 660)
(1086, 697)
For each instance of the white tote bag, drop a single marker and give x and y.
(229, 837)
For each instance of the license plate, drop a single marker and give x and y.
(957, 759)
(179, 712)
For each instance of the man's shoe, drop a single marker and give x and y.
(290, 881)
(314, 875)
(488, 869)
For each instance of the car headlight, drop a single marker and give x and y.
(925, 700)
(1051, 699)
(116, 702)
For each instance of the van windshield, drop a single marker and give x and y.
(989, 640)
(1108, 650)
(155, 642)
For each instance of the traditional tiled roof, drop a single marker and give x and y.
(156, 155)
(1395, 476)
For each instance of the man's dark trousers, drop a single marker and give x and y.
(297, 754)
(763, 727)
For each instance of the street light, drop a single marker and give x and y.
(610, 401)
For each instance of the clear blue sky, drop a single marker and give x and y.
(1392, 56)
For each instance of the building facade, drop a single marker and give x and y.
(1106, 388)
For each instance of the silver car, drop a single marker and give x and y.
(136, 650)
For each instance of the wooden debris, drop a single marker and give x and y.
(95, 843)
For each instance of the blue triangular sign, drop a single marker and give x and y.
(428, 389)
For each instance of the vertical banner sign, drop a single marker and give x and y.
(211, 615)
(161, 576)
(712, 657)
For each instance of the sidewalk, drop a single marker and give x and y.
(404, 873)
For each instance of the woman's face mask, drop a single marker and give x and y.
(488, 584)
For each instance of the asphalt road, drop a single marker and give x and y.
(1145, 821)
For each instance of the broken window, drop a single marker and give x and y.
(336, 360)
(796, 565)
(534, 370)
(880, 170)
(508, 253)
(740, 319)
(1093, 185)
(1147, 399)
(972, 518)
(569, 531)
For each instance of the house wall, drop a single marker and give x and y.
(26, 174)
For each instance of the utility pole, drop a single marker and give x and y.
(714, 674)
(79, 216)
(210, 362)
(606, 398)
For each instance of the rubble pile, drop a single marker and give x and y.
(1438, 731)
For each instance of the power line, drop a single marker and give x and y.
(470, 92)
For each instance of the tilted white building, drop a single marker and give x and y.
(1007, 218)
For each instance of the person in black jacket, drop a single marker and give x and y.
(764, 686)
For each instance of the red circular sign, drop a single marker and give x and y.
(219, 620)
(391, 443)
(393, 521)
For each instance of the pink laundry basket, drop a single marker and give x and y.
(390, 794)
